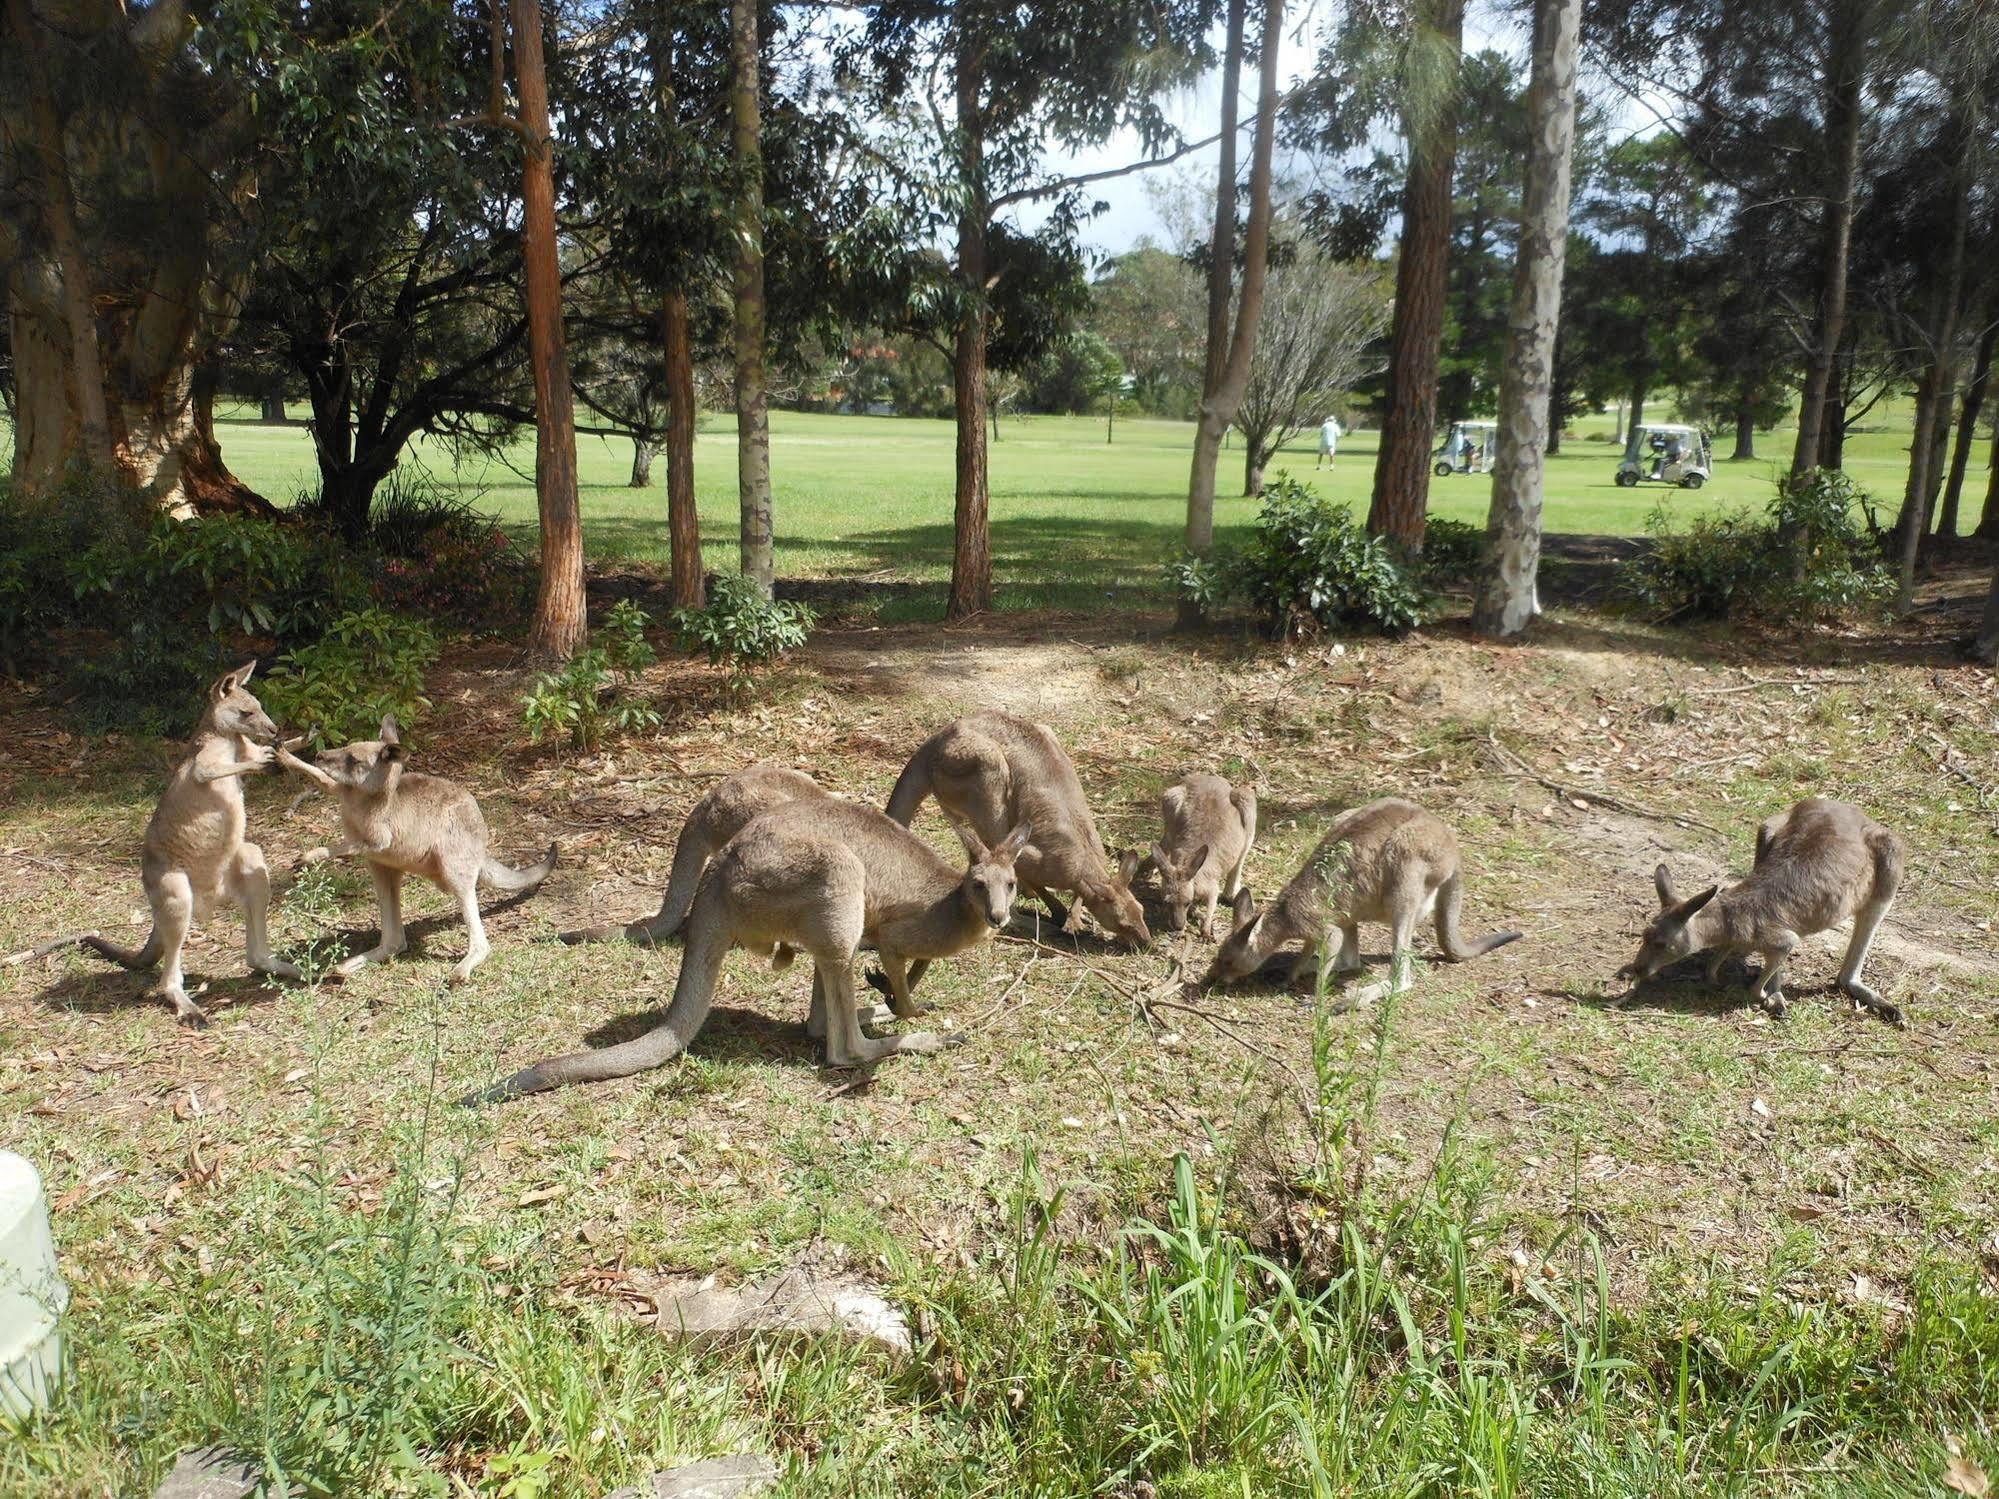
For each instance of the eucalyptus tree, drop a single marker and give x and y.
(970, 93)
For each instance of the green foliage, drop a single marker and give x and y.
(368, 664)
(1453, 550)
(590, 700)
(441, 555)
(1815, 555)
(1309, 566)
(742, 630)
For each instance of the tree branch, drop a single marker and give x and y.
(1064, 184)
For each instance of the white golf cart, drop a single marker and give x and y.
(1665, 453)
(1467, 449)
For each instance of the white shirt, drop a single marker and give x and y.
(1329, 434)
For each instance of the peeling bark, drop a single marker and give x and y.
(752, 388)
(971, 549)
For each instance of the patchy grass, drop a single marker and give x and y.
(1500, 1237)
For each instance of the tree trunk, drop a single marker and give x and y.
(642, 455)
(1745, 436)
(752, 391)
(271, 411)
(1986, 646)
(560, 612)
(971, 551)
(1843, 111)
(1988, 520)
(1401, 496)
(687, 587)
(204, 478)
(1967, 430)
(1220, 404)
(1554, 436)
(1507, 595)
(1640, 388)
(1253, 460)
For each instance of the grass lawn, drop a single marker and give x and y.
(1074, 520)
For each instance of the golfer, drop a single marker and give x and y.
(1329, 442)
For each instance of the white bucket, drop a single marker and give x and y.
(32, 1294)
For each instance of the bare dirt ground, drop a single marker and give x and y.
(1821, 1156)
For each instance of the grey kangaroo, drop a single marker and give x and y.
(820, 877)
(1210, 827)
(725, 811)
(1816, 865)
(403, 822)
(195, 853)
(1388, 861)
(995, 771)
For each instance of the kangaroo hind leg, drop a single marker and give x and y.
(250, 888)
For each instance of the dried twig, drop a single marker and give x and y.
(1519, 767)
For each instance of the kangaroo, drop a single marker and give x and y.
(195, 853)
(995, 771)
(403, 822)
(1210, 827)
(1816, 865)
(1388, 861)
(724, 812)
(820, 877)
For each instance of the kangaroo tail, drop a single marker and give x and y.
(693, 996)
(125, 957)
(690, 857)
(910, 788)
(1450, 900)
(501, 878)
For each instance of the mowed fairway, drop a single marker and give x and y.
(1075, 521)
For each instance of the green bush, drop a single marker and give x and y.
(742, 630)
(1814, 555)
(1453, 551)
(368, 664)
(1309, 566)
(590, 699)
(441, 555)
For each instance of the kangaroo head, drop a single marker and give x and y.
(1667, 939)
(989, 879)
(1117, 910)
(373, 765)
(234, 710)
(1176, 882)
(1252, 939)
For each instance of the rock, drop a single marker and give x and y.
(799, 1302)
(208, 1473)
(717, 1478)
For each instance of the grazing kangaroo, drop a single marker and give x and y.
(1816, 865)
(996, 771)
(1209, 829)
(724, 812)
(1388, 861)
(195, 853)
(403, 822)
(820, 877)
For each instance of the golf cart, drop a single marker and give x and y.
(1467, 450)
(1665, 453)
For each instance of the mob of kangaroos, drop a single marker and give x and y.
(771, 861)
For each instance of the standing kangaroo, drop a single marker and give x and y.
(1388, 861)
(1209, 829)
(725, 811)
(820, 877)
(996, 771)
(1816, 865)
(403, 822)
(195, 852)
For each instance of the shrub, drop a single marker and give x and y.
(441, 555)
(368, 664)
(1814, 555)
(1453, 551)
(1309, 566)
(589, 699)
(742, 630)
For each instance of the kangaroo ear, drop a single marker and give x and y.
(1244, 906)
(1163, 862)
(1686, 910)
(1195, 860)
(974, 847)
(1008, 848)
(1662, 881)
(1128, 865)
(228, 682)
(393, 753)
(391, 730)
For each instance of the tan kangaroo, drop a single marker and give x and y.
(1388, 861)
(403, 822)
(820, 877)
(195, 853)
(1816, 865)
(996, 771)
(1209, 829)
(725, 811)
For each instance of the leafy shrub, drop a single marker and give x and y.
(1309, 566)
(1814, 555)
(1453, 551)
(742, 630)
(441, 555)
(368, 664)
(589, 699)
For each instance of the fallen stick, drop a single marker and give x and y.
(1522, 769)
